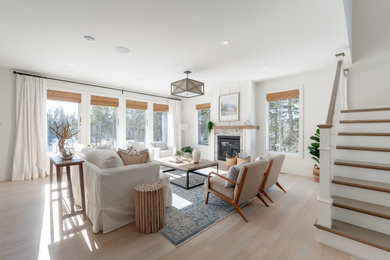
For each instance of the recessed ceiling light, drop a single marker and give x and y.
(71, 64)
(89, 38)
(225, 42)
(122, 49)
(265, 68)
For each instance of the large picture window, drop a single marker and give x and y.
(62, 107)
(136, 120)
(283, 122)
(103, 117)
(203, 119)
(160, 122)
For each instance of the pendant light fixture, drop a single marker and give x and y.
(187, 87)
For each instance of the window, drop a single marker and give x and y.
(160, 122)
(103, 115)
(283, 122)
(135, 120)
(203, 119)
(61, 107)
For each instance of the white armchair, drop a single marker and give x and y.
(160, 150)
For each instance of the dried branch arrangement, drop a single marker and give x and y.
(63, 133)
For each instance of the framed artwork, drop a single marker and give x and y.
(229, 107)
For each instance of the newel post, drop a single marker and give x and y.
(324, 197)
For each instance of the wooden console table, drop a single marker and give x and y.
(59, 163)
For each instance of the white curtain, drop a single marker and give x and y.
(174, 135)
(30, 147)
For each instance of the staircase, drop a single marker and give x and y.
(354, 195)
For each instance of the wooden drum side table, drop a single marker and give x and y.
(56, 161)
(149, 207)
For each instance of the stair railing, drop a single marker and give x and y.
(328, 132)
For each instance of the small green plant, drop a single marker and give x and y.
(187, 149)
(178, 152)
(314, 147)
(210, 126)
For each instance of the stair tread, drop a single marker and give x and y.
(362, 206)
(363, 148)
(364, 184)
(360, 234)
(363, 134)
(365, 110)
(369, 165)
(364, 121)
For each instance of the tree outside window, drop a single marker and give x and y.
(160, 126)
(283, 125)
(203, 119)
(103, 125)
(135, 125)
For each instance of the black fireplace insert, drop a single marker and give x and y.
(228, 145)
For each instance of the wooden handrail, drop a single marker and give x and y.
(332, 104)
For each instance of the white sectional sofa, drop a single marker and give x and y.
(109, 192)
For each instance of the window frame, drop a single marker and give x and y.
(298, 155)
(197, 128)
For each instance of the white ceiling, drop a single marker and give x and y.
(166, 37)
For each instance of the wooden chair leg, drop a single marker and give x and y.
(265, 203)
(266, 195)
(240, 212)
(207, 197)
(280, 186)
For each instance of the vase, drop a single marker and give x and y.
(196, 155)
(61, 146)
(316, 173)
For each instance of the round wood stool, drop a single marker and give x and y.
(149, 207)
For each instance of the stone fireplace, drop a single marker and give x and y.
(228, 145)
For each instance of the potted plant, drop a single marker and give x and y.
(187, 151)
(210, 126)
(315, 153)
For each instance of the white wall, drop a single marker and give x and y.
(369, 77)
(7, 122)
(189, 113)
(317, 87)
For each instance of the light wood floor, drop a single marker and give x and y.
(29, 229)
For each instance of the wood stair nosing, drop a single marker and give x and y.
(365, 121)
(363, 148)
(365, 110)
(366, 165)
(362, 207)
(359, 234)
(362, 184)
(362, 134)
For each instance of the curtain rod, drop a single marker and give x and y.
(95, 86)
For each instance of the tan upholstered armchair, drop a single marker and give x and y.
(246, 186)
(271, 176)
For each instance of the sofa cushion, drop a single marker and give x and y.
(132, 157)
(218, 184)
(161, 145)
(104, 158)
(106, 146)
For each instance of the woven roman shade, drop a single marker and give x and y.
(131, 104)
(63, 96)
(202, 106)
(160, 108)
(104, 101)
(283, 95)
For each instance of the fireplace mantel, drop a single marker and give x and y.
(227, 127)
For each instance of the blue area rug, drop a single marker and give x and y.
(189, 215)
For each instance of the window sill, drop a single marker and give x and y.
(288, 155)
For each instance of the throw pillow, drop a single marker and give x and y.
(130, 158)
(104, 158)
(231, 174)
